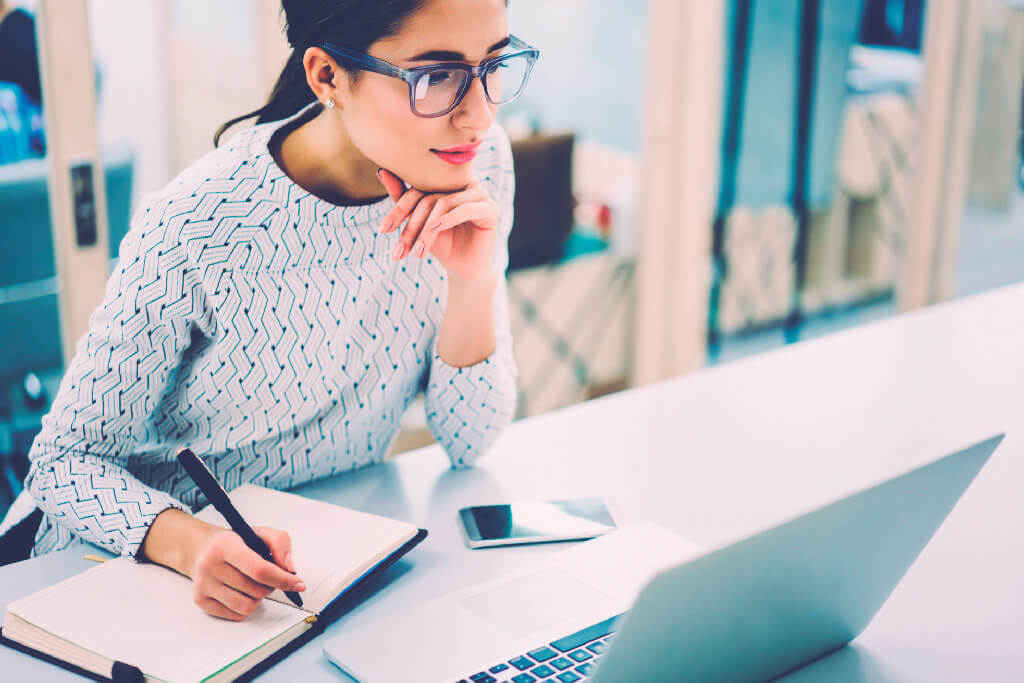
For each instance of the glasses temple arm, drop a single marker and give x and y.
(364, 61)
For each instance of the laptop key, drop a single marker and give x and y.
(585, 669)
(584, 636)
(542, 654)
(523, 678)
(521, 663)
(499, 668)
(561, 663)
(597, 648)
(542, 671)
(483, 677)
(580, 655)
(568, 677)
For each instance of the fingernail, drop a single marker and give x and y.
(385, 225)
(380, 175)
(434, 225)
(417, 250)
(289, 562)
(300, 586)
(399, 250)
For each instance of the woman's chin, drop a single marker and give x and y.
(449, 179)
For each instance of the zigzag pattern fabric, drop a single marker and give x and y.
(270, 332)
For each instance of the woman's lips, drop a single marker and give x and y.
(462, 154)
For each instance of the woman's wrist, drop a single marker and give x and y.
(480, 287)
(467, 331)
(174, 539)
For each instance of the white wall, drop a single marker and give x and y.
(129, 49)
(591, 77)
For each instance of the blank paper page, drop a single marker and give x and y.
(143, 614)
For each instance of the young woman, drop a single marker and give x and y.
(271, 312)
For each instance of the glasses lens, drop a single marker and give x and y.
(435, 91)
(504, 79)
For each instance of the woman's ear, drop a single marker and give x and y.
(322, 74)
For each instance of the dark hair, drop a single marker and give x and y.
(355, 24)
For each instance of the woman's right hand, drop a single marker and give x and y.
(228, 579)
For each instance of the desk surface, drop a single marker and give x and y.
(721, 453)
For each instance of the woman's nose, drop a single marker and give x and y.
(475, 111)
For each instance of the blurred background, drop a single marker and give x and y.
(698, 181)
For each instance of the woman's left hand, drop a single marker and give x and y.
(459, 229)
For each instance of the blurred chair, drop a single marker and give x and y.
(544, 200)
(30, 339)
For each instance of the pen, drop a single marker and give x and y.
(216, 494)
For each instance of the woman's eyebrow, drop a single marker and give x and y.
(449, 56)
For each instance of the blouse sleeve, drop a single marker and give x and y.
(121, 368)
(467, 408)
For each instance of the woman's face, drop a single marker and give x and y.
(376, 111)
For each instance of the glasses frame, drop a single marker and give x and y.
(365, 62)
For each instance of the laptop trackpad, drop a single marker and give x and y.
(534, 601)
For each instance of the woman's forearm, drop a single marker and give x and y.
(467, 332)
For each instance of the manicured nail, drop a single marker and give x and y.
(300, 586)
(417, 250)
(385, 225)
(289, 562)
(399, 250)
(434, 225)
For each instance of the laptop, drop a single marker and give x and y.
(642, 604)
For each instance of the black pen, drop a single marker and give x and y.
(216, 494)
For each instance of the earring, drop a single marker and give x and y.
(329, 103)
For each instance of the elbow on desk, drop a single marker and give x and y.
(468, 431)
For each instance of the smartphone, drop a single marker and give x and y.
(535, 522)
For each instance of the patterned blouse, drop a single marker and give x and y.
(267, 330)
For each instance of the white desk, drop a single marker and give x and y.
(721, 453)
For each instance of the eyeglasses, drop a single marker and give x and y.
(437, 89)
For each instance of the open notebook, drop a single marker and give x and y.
(142, 615)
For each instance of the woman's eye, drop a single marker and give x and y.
(439, 77)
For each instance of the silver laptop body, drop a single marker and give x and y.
(749, 611)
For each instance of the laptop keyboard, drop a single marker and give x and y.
(566, 660)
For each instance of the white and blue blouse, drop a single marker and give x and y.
(267, 330)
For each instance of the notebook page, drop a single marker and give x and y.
(143, 614)
(332, 546)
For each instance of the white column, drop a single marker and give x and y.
(680, 184)
(69, 106)
(946, 107)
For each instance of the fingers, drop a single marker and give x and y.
(230, 580)
(392, 183)
(414, 227)
(232, 600)
(446, 203)
(214, 596)
(259, 570)
(426, 215)
(235, 579)
(402, 208)
(280, 544)
(473, 196)
(483, 215)
(217, 609)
